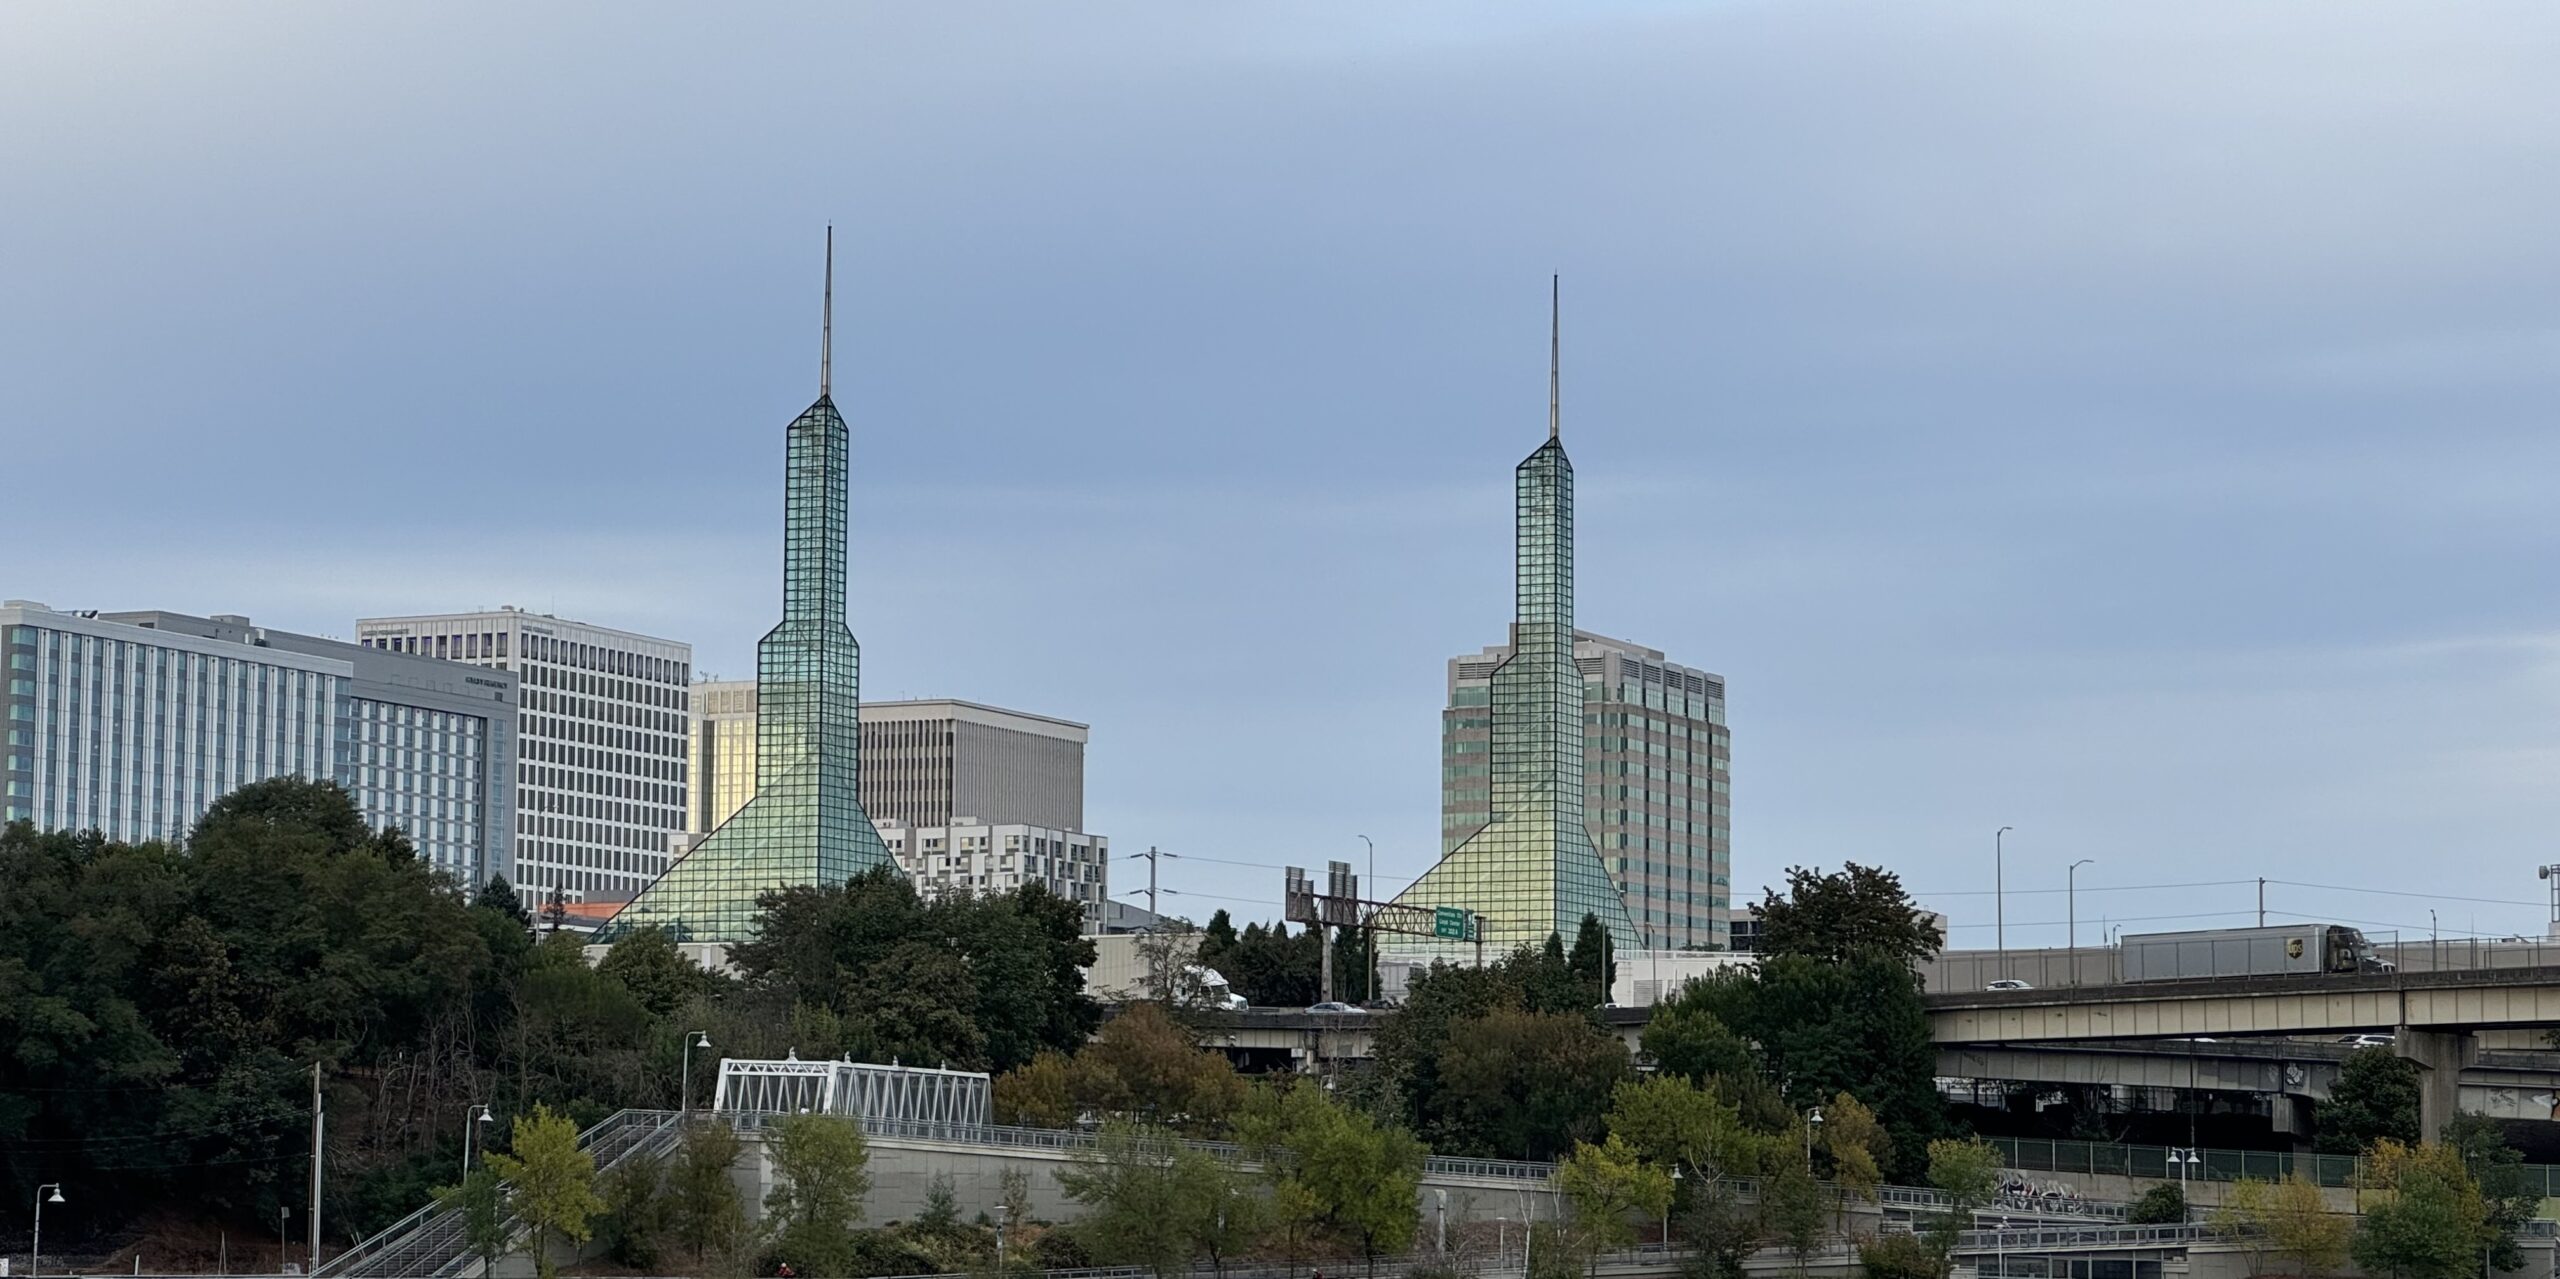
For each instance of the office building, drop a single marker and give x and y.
(924, 763)
(1530, 869)
(724, 752)
(985, 857)
(600, 739)
(805, 824)
(133, 724)
(1656, 781)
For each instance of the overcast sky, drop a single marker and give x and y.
(2130, 424)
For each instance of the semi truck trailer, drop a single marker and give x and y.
(2247, 952)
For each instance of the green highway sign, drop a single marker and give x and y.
(1449, 921)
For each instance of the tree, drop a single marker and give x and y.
(1351, 975)
(657, 974)
(1220, 1207)
(2287, 1217)
(555, 911)
(1130, 1182)
(551, 1182)
(703, 1209)
(1675, 1122)
(2161, 1205)
(1687, 1039)
(2428, 1222)
(1146, 1066)
(2507, 1192)
(1037, 1094)
(1335, 1167)
(1608, 1184)
(635, 1215)
(1796, 1208)
(1719, 1228)
(482, 1200)
(500, 896)
(1861, 912)
(1594, 967)
(1901, 1257)
(2375, 1099)
(1968, 1173)
(821, 1172)
(1526, 1085)
(1856, 1143)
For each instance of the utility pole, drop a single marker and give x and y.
(312, 1258)
(1152, 855)
(2071, 907)
(2262, 901)
(1999, 894)
(1369, 936)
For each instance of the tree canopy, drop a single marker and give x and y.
(1859, 912)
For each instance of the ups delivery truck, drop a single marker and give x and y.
(2247, 952)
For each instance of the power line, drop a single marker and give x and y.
(2394, 892)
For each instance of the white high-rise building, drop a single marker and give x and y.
(602, 778)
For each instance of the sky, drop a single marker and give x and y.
(2127, 424)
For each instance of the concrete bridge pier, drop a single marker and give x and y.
(2441, 1056)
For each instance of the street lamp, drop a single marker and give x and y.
(2185, 1158)
(1666, 1208)
(693, 1039)
(1812, 1120)
(1999, 897)
(470, 1127)
(35, 1252)
(2071, 904)
(1369, 931)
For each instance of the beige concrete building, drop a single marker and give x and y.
(932, 763)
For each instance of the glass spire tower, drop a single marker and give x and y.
(805, 824)
(1531, 869)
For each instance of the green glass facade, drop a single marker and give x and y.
(1531, 869)
(805, 824)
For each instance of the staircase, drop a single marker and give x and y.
(430, 1243)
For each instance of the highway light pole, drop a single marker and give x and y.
(692, 1040)
(1999, 894)
(471, 1122)
(1369, 933)
(2071, 908)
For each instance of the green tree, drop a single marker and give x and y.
(500, 896)
(1796, 1208)
(1861, 912)
(1223, 1209)
(1147, 1067)
(1610, 1185)
(1856, 1143)
(1968, 1173)
(2508, 1194)
(1901, 1257)
(1130, 1182)
(634, 1215)
(1038, 1093)
(1594, 967)
(1720, 1229)
(2428, 1221)
(1353, 1177)
(2375, 1099)
(2160, 1205)
(1525, 1085)
(1675, 1122)
(657, 974)
(551, 1182)
(821, 1172)
(482, 1201)
(704, 1212)
(1685, 1038)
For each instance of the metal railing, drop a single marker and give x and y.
(2107, 1159)
(2048, 1238)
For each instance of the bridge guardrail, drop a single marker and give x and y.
(2106, 1159)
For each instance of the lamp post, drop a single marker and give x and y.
(284, 1213)
(1666, 1208)
(1812, 1120)
(1369, 931)
(2185, 1158)
(35, 1251)
(2071, 907)
(1999, 894)
(470, 1127)
(692, 1040)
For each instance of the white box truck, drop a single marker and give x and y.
(2247, 952)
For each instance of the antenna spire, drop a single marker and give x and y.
(1555, 355)
(827, 321)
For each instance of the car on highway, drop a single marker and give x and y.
(2008, 983)
(1334, 1006)
(2366, 1041)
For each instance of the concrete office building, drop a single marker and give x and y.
(133, 724)
(925, 764)
(602, 781)
(985, 857)
(1656, 783)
